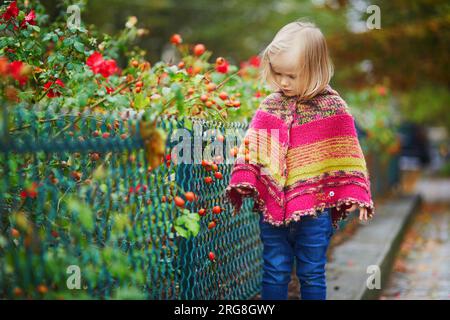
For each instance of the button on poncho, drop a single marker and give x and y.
(300, 157)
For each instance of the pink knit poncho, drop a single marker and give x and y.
(298, 158)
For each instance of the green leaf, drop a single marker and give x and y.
(193, 227)
(121, 101)
(30, 45)
(181, 220)
(182, 232)
(3, 43)
(67, 42)
(193, 217)
(82, 99)
(141, 101)
(21, 15)
(218, 77)
(188, 224)
(79, 47)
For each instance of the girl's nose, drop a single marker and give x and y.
(284, 83)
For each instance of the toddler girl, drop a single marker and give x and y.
(301, 162)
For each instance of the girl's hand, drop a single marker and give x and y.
(244, 191)
(362, 212)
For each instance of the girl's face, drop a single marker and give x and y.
(285, 75)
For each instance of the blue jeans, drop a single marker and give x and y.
(307, 240)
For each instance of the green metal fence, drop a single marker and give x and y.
(95, 205)
(77, 193)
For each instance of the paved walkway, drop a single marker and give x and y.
(422, 267)
(373, 246)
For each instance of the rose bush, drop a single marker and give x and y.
(75, 68)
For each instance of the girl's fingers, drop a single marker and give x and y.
(363, 214)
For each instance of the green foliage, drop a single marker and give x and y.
(187, 225)
(427, 105)
(53, 52)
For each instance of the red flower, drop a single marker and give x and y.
(51, 93)
(11, 12)
(16, 71)
(108, 68)
(29, 18)
(223, 67)
(98, 65)
(254, 61)
(94, 61)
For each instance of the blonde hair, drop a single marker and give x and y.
(312, 63)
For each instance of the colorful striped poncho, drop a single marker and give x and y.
(298, 158)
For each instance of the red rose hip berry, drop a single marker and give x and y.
(211, 256)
